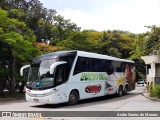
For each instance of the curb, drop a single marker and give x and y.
(151, 98)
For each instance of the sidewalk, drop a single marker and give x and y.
(146, 94)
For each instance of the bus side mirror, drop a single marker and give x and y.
(54, 65)
(24, 67)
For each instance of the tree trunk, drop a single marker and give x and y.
(13, 80)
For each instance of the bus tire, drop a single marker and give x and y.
(73, 98)
(125, 90)
(120, 91)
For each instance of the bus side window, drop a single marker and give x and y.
(110, 70)
(77, 68)
(119, 69)
(123, 69)
(109, 67)
(82, 65)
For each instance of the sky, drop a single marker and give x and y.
(100, 15)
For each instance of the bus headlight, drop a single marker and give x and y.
(52, 91)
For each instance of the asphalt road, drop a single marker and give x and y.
(134, 101)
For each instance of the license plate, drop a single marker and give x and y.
(36, 100)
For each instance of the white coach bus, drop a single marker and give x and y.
(70, 76)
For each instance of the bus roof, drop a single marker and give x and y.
(79, 53)
(95, 55)
(52, 55)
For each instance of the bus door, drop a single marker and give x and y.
(59, 82)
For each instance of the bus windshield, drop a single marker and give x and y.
(39, 75)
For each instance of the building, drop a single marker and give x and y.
(152, 62)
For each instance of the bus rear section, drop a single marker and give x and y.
(99, 77)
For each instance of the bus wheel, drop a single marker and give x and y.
(125, 90)
(120, 91)
(73, 98)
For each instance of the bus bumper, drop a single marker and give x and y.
(46, 96)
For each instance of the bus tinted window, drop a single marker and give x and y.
(81, 66)
(85, 64)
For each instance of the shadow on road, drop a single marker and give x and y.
(89, 102)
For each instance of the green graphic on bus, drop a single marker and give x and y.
(93, 76)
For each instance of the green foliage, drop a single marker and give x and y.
(116, 43)
(14, 36)
(139, 47)
(76, 41)
(145, 43)
(16, 47)
(62, 29)
(155, 92)
(140, 69)
(153, 39)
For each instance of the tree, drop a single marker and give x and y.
(139, 45)
(32, 13)
(45, 23)
(16, 40)
(116, 43)
(146, 43)
(46, 48)
(76, 41)
(62, 29)
(153, 39)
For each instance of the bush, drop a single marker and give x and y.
(155, 92)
